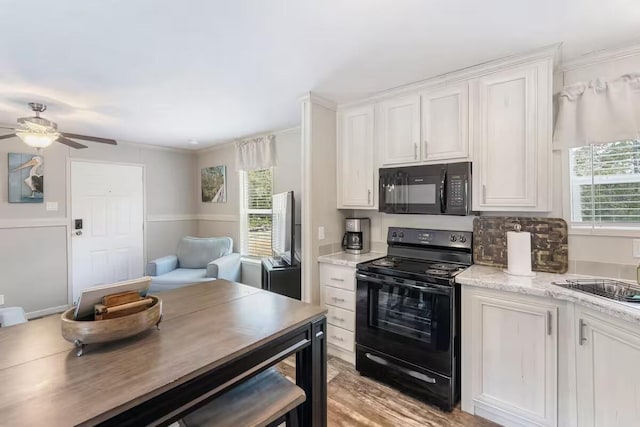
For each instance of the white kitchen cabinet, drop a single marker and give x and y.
(510, 357)
(607, 353)
(338, 284)
(511, 136)
(445, 123)
(398, 130)
(355, 151)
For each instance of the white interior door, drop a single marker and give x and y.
(108, 246)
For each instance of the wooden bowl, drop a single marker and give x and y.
(81, 332)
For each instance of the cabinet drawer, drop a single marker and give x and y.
(340, 298)
(341, 337)
(343, 318)
(338, 277)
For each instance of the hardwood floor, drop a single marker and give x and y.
(354, 400)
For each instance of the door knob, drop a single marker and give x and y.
(78, 232)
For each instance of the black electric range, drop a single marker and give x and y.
(408, 313)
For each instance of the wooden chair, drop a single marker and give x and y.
(268, 399)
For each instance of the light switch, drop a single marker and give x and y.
(636, 248)
(52, 206)
(321, 233)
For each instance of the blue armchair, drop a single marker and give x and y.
(197, 260)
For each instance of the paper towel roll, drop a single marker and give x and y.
(519, 253)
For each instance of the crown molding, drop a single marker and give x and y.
(601, 56)
(226, 144)
(316, 99)
(550, 52)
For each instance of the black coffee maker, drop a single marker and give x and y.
(357, 239)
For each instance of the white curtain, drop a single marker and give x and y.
(598, 111)
(256, 153)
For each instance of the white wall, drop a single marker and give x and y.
(33, 241)
(223, 219)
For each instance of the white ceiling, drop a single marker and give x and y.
(165, 71)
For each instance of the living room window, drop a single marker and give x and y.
(255, 232)
(605, 185)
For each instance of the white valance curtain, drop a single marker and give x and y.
(598, 112)
(256, 153)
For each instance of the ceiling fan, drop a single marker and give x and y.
(38, 132)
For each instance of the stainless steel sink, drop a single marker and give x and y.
(607, 288)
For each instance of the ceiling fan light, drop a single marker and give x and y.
(38, 139)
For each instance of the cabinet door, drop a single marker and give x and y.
(607, 371)
(514, 360)
(398, 124)
(512, 140)
(445, 123)
(356, 175)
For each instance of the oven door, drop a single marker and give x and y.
(417, 190)
(409, 320)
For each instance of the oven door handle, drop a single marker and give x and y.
(427, 287)
(417, 375)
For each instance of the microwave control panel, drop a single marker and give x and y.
(457, 190)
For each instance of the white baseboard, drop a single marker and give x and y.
(47, 311)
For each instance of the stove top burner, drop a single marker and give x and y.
(384, 262)
(435, 272)
(445, 267)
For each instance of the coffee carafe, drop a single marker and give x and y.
(356, 238)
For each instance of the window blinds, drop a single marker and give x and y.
(605, 184)
(258, 190)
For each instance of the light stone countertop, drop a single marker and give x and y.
(349, 260)
(541, 286)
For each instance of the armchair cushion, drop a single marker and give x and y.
(226, 267)
(161, 266)
(194, 252)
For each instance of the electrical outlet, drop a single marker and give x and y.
(52, 206)
(636, 248)
(1, 299)
(321, 233)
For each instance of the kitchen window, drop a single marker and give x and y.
(605, 185)
(256, 188)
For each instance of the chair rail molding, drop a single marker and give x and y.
(171, 217)
(33, 222)
(219, 217)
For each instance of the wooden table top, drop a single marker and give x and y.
(42, 382)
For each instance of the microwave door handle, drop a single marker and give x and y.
(443, 191)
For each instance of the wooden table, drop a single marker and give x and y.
(212, 336)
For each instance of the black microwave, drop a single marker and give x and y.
(443, 189)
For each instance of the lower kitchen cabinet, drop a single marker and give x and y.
(608, 378)
(510, 357)
(339, 297)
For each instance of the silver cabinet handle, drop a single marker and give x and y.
(581, 338)
(415, 151)
(337, 338)
(368, 196)
(549, 320)
(339, 319)
(338, 299)
(337, 279)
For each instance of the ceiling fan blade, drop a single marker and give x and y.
(70, 143)
(10, 135)
(90, 138)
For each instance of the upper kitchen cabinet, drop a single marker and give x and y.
(355, 151)
(445, 124)
(398, 130)
(511, 137)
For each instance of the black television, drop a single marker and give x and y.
(283, 228)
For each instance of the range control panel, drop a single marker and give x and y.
(421, 236)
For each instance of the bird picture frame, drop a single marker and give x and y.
(26, 178)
